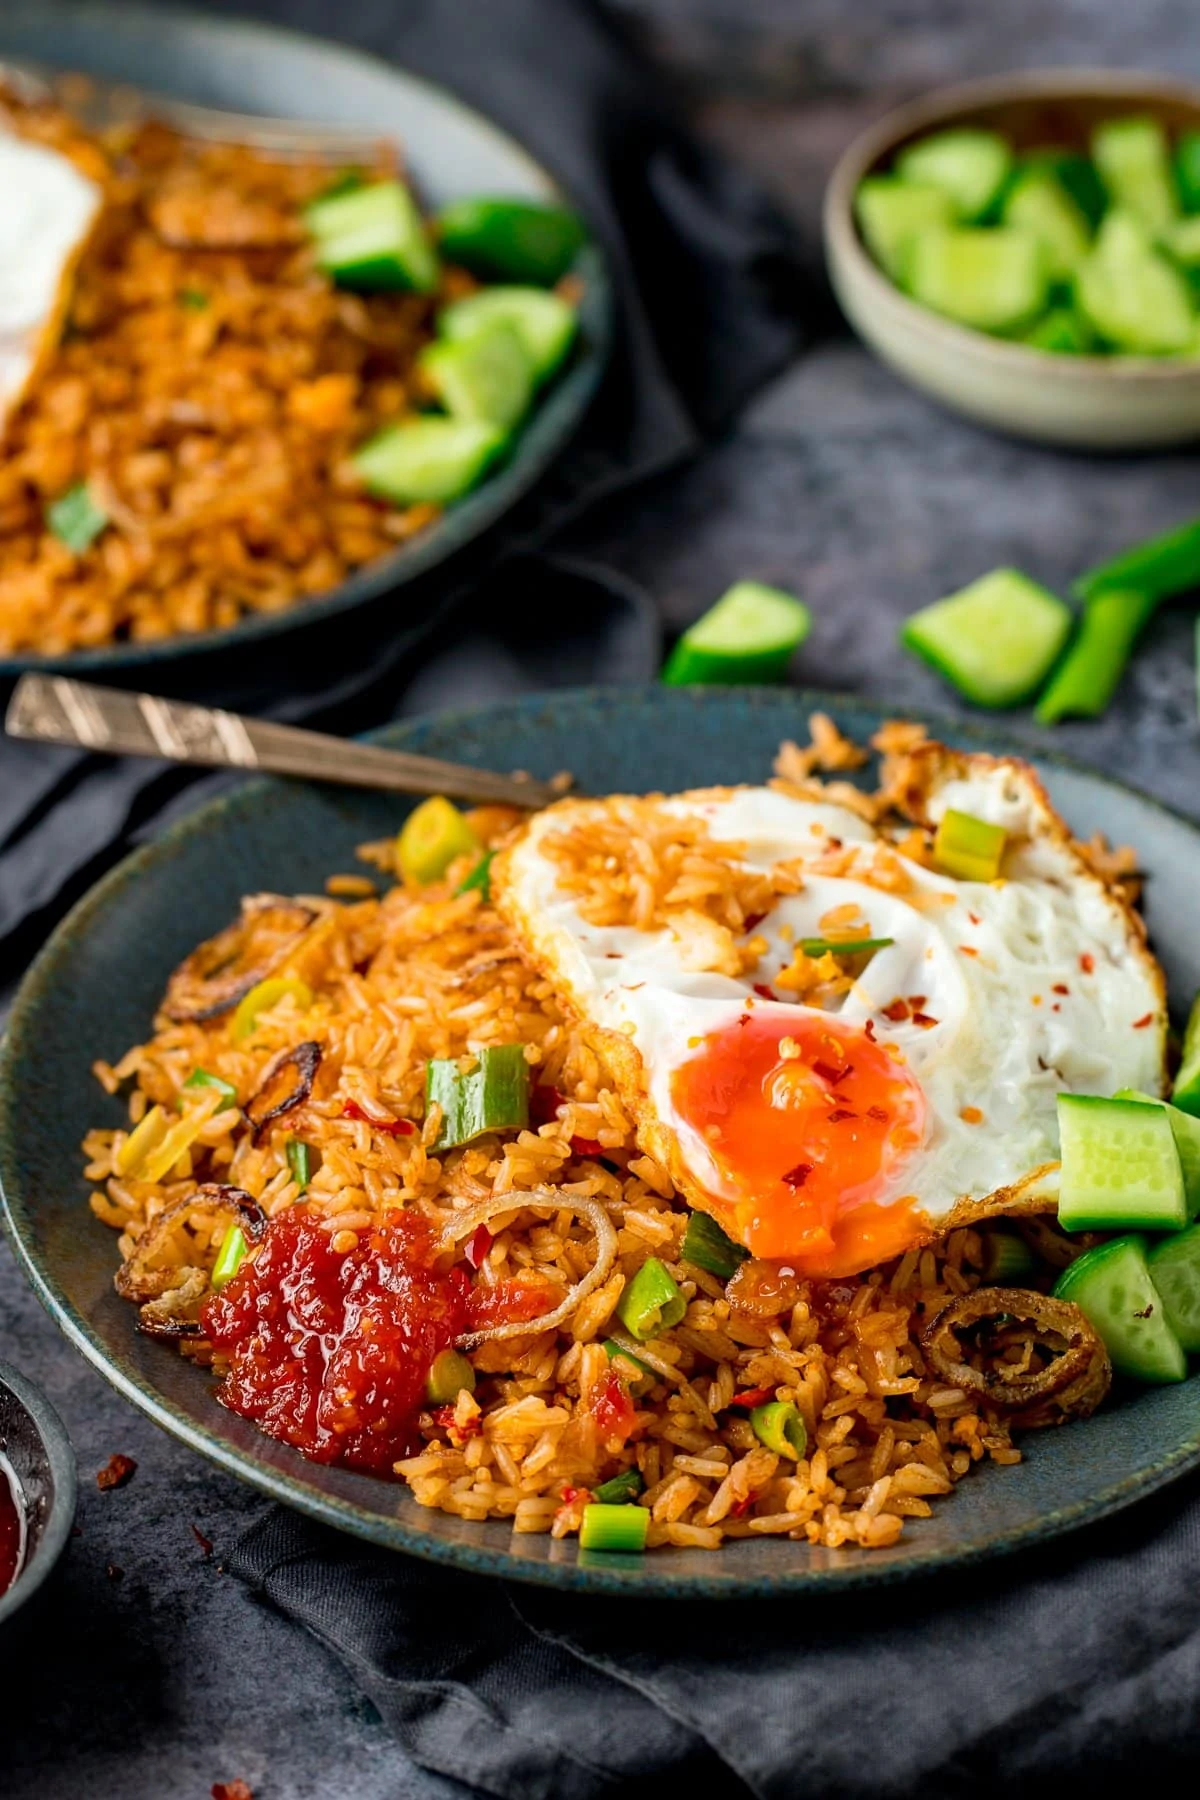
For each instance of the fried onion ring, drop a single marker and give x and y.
(463, 1224)
(1070, 1385)
(273, 1099)
(169, 1298)
(224, 968)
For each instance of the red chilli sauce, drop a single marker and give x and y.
(12, 1528)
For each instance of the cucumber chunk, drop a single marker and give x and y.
(1187, 170)
(487, 377)
(889, 211)
(544, 322)
(1186, 1092)
(1063, 330)
(971, 166)
(511, 240)
(1131, 295)
(1120, 1167)
(373, 237)
(1175, 1271)
(1113, 1288)
(1134, 164)
(748, 636)
(995, 640)
(435, 460)
(1037, 202)
(995, 280)
(1159, 568)
(1186, 1132)
(1182, 239)
(1076, 173)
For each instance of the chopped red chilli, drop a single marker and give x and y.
(1141, 1024)
(752, 1397)
(581, 1146)
(1087, 962)
(878, 1113)
(828, 1073)
(924, 1020)
(763, 991)
(478, 1246)
(389, 1127)
(896, 1011)
(796, 1178)
(116, 1472)
(1060, 987)
(544, 1102)
(839, 1113)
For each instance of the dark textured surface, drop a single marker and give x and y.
(872, 501)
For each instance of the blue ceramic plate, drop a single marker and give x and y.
(451, 150)
(94, 988)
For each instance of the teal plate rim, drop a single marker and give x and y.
(546, 434)
(287, 1478)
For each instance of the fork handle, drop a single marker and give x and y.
(56, 710)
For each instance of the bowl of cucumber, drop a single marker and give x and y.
(1026, 249)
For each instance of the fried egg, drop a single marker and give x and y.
(47, 209)
(836, 1127)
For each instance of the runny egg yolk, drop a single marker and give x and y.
(807, 1122)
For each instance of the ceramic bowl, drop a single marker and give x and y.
(1086, 402)
(34, 1440)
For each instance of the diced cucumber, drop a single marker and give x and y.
(1037, 202)
(488, 376)
(1077, 173)
(1187, 170)
(1131, 295)
(1182, 239)
(748, 636)
(1086, 679)
(1113, 1288)
(971, 166)
(1134, 164)
(995, 640)
(1186, 1131)
(1160, 567)
(1186, 1092)
(544, 322)
(511, 240)
(995, 280)
(373, 237)
(1063, 330)
(1120, 1167)
(890, 210)
(1175, 1271)
(435, 460)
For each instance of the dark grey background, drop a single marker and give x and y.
(842, 484)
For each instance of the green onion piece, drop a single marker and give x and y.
(1086, 678)
(1160, 568)
(614, 1528)
(620, 1490)
(640, 1376)
(706, 1245)
(779, 1426)
(231, 1258)
(967, 847)
(479, 878)
(266, 995)
(430, 839)
(297, 1162)
(195, 299)
(652, 1302)
(449, 1373)
(1007, 1258)
(201, 1078)
(75, 519)
(493, 1096)
(842, 946)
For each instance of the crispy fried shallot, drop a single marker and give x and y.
(465, 1224)
(1038, 1359)
(280, 1091)
(224, 968)
(170, 1298)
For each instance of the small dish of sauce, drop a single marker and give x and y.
(12, 1526)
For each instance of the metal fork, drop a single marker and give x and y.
(99, 104)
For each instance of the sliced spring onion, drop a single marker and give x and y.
(435, 461)
(969, 165)
(432, 836)
(449, 1373)
(1186, 1092)
(201, 1078)
(545, 323)
(820, 946)
(748, 636)
(1007, 1259)
(195, 299)
(492, 1096)
(620, 1490)
(297, 1162)
(488, 377)
(511, 240)
(967, 847)
(1120, 1167)
(995, 640)
(75, 519)
(1160, 568)
(640, 1376)
(779, 1426)
(1087, 677)
(652, 1302)
(1174, 1266)
(1112, 1286)
(265, 995)
(614, 1527)
(1186, 1131)
(889, 210)
(232, 1256)
(479, 880)
(706, 1245)
(373, 237)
